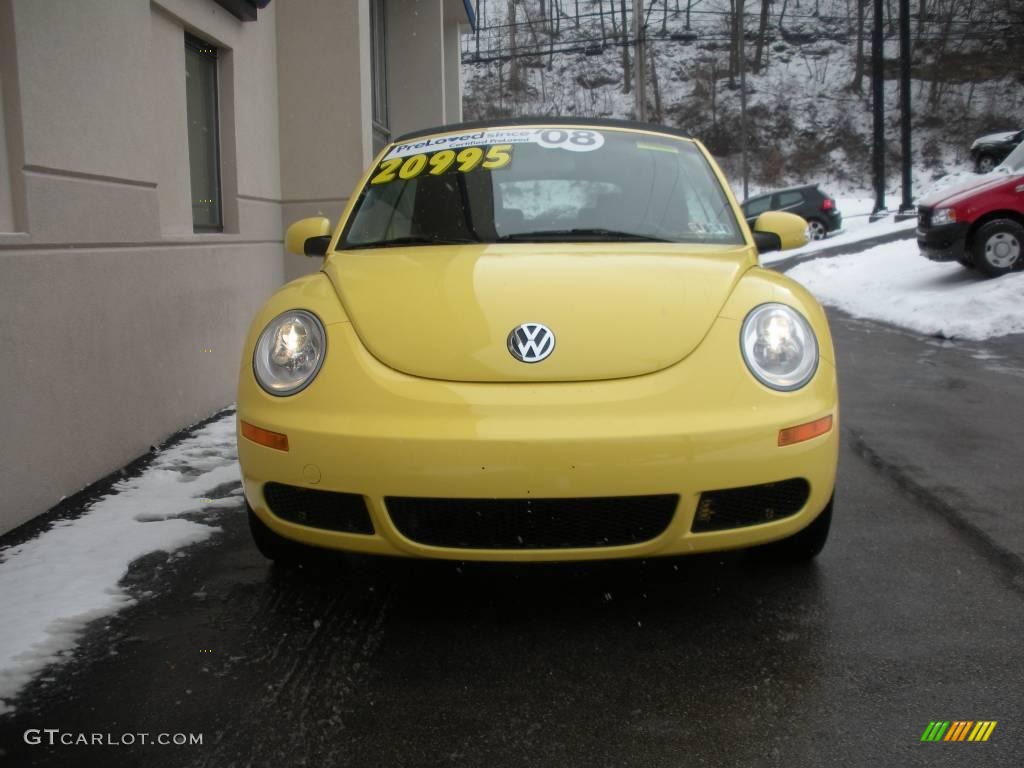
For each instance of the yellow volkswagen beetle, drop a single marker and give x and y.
(540, 341)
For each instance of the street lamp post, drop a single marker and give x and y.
(907, 204)
(878, 106)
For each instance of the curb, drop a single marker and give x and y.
(783, 265)
(76, 504)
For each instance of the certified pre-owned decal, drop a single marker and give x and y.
(572, 139)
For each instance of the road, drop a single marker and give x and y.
(914, 612)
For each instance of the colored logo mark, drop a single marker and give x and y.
(958, 730)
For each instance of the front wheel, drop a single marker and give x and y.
(282, 551)
(985, 164)
(804, 545)
(997, 247)
(816, 230)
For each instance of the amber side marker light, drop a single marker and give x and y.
(265, 437)
(792, 435)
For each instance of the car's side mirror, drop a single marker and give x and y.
(308, 237)
(779, 231)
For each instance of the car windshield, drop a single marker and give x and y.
(542, 184)
(1014, 162)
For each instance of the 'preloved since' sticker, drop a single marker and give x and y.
(572, 139)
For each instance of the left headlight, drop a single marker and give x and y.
(289, 352)
(779, 347)
(942, 216)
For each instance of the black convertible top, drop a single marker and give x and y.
(597, 122)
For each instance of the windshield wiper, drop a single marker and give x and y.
(586, 232)
(413, 240)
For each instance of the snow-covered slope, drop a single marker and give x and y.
(807, 121)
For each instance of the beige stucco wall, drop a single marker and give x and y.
(324, 110)
(326, 130)
(107, 298)
(6, 199)
(416, 59)
(452, 66)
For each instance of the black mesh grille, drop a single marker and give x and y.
(532, 523)
(318, 509)
(924, 217)
(754, 504)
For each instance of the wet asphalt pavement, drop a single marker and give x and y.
(914, 612)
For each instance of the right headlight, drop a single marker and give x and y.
(779, 347)
(289, 352)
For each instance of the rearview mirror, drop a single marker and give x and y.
(308, 237)
(779, 231)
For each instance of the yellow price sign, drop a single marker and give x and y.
(465, 160)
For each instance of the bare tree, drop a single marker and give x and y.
(858, 70)
(654, 84)
(689, 6)
(627, 77)
(762, 30)
(514, 70)
(935, 92)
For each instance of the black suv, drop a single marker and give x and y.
(808, 202)
(989, 151)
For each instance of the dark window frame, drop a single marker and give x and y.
(208, 51)
(380, 108)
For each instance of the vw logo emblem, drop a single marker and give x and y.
(531, 342)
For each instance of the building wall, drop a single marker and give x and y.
(107, 298)
(326, 131)
(324, 107)
(118, 324)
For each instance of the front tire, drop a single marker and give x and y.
(985, 164)
(804, 545)
(282, 551)
(997, 247)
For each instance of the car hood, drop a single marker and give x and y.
(957, 193)
(994, 138)
(616, 310)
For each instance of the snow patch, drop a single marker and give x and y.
(895, 284)
(856, 233)
(69, 575)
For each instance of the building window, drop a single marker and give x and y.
(203, 136)
(379, 75)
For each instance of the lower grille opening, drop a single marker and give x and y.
(328, 510)
(532, 523)
(752, 505)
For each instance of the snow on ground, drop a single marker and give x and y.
(69, 575)
(859, 230)
(856, 207)
(895, 284)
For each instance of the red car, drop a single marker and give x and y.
(981, 223)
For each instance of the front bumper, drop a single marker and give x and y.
(943, 243)
(699, 426)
